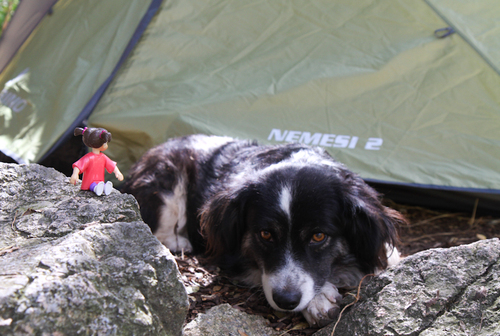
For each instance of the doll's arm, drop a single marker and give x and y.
(74, 177)
(118, 174)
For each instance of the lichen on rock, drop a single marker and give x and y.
(74, 263)
(453, 291)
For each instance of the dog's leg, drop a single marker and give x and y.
(393, 257)
(324, 307)
(172, 231)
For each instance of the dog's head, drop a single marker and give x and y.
(299, 226)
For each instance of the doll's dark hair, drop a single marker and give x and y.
(93, 137)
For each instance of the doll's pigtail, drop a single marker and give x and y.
(79, 131)
(93, 137)
(105, 135)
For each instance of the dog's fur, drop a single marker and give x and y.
(287, 217)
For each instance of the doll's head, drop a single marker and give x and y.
(93, 137)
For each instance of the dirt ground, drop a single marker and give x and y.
(208, 286)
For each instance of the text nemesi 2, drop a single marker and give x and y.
(323, 139)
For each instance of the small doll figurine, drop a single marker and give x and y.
(92, 165)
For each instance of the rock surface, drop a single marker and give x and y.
(224, 320)
(453, 291)
(74, 263)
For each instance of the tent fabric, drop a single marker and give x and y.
(59, 68)
(477, 23)
(89, 107)
(27, 16)
(367, 80)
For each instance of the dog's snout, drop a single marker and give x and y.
(287, 300)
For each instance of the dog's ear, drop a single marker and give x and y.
(370, 227)
(223, 223)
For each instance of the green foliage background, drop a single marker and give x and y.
(7, 8)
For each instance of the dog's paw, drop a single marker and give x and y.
(177, 244)
(323, 308)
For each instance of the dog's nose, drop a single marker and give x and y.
(287, 300)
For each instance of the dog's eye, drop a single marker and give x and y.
(266, 235)
(318, 237)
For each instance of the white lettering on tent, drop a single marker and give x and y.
(342, 141)
(309, 139)
(325, 140)
(12, 101)
(277, 135)
(374, 144)
(293, 136)
(353, 142)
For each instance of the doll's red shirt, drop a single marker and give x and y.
(92, 166)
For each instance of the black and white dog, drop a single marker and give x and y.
(287, 217)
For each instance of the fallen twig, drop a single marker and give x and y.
(427, 221)
(8, 249)
(473, 217)
(12, 225)
(431, 235)
(357, 297)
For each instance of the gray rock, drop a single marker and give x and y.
(453, 291)
(72, 263)
(223, 320)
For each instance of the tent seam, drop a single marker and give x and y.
(463, 36)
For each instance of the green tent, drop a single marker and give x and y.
(406, 93)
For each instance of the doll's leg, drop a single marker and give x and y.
(108, 187)
(98, 188)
